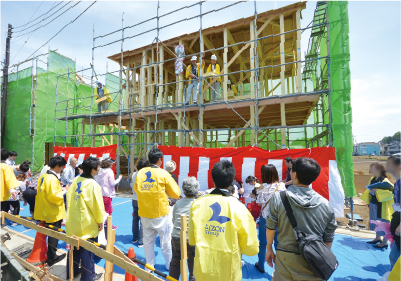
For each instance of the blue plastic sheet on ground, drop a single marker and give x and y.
(357, 260)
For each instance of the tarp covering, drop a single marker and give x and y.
(341, 92)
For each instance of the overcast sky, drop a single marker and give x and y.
(374, 43)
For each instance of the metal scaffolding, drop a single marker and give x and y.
(133, 109)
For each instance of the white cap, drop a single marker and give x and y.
(214, 57)
(170, 166)
(194, 58)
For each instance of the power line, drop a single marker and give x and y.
(39, 16)
(26, 41)
(35, 11)
(47, 18)
(62, 29)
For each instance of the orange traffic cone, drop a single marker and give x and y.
(129, 277)
(39, 251)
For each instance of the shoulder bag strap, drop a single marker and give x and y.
(267, 203)
(288, 209)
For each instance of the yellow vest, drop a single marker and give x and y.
(8, 181)
(395, 273)
(222, 229)
(105, 92)
(49, 203)
(383, 196)
(188, 70)
(85, 208)
(216, 70)
(152, 187)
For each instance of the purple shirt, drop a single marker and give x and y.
(105, 178)
(396, 191)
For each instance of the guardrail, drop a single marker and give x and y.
(111, 254)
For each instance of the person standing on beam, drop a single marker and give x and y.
(215, 87)
(101, 92)
(192, 74)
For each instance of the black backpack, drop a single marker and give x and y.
(320, 259)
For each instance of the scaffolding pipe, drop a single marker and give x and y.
(55, 116)
(256, 60)
(91, 108)
(66, 108)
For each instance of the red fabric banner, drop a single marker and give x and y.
(244, 158)
(81, 153)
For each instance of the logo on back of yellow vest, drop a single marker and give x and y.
(148, 183)
(214, 229)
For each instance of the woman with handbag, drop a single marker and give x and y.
(270, 185)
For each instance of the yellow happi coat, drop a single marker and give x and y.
(222, 229)
(49, 203)
(85, 208)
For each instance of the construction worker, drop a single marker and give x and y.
(152, 187)
(85, 213)
(8, 181)
(192, 74)
(214, 87)
(100, 92)
(222, 229)
(49, 204)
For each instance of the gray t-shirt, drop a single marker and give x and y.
(182, 207)
(100, 92)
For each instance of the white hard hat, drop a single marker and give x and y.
(194, 58)
(214, 57)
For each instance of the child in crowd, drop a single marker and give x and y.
(10, 161)
(254, 207)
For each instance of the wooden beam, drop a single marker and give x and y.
(240, 51)
(193, 42)
(183, 242)
(282, 79)
(245, 126)
(179, 121)
(299, 65)
(109, 267)
(116, 139)
(225, 68)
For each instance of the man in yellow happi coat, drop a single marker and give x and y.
(8, 180)
(49, 204)
(222, 229)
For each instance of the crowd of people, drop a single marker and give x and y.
(220, 227)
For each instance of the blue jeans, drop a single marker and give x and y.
(136, 232)
(192, 87)
(263, 243)
(394, 255)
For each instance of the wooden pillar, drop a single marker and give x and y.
(165, 89)
(187, 136)
(142, 80)
(211, 139)
(299, 65)
(71, 265)
(180, 100)
(183, 242)
(170, 135)
(217, 138)
(134, 89)
(225, 68)
(150, 81)
(160, 73)
(282, 78)
(93, 137)
(83, 133)
(109, 267)
(252, 119)
(204, 137)
(252, 63)
(132, 145)
(127, 88)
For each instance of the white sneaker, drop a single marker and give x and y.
(242, 263)
(14, 224)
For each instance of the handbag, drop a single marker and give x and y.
(320, 259)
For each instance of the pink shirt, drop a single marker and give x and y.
(105, 178)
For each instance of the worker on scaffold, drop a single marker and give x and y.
(192, 74)
(101, 92)
(214, 87)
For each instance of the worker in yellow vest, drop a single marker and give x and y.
(152, 186)
(85, 217)
(214, 87)
(49, 204)
(192, 73)
(221, 228)
(101, 92)
(8, 181)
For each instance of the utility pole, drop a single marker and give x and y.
(5, 83)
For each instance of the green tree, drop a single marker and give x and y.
(395, 137)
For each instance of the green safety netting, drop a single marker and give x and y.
(341, 92)
(17, 136)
